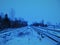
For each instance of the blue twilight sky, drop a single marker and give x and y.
(33, 10)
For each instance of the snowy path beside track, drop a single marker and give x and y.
(25, 36)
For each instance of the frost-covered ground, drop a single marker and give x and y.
(24, 36)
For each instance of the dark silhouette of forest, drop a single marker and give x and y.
(39, 24)
(48, 24)
(5, 22)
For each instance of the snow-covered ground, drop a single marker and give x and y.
(24, 36)
(51, 30)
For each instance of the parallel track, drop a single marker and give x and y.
(49, 35)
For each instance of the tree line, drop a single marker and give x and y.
(39, 24)
(5, 22)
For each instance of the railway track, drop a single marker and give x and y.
(50, 29)
(42, 31)
(53, 37)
